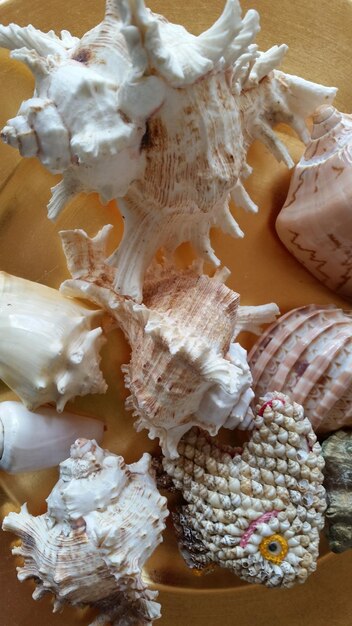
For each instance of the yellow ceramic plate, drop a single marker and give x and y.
(319, 35)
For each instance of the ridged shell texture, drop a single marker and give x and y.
(307, 353)
(257, 511)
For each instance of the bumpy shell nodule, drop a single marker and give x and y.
(31, 441)
(120, 112)
(49, 344)
(104, 520)
(337, 452)
(184, 369)
(257, 512)
(307, 353)
(315, 223)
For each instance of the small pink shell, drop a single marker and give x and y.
(315, 223)
(307, 354)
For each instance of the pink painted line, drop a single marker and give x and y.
(253, 526)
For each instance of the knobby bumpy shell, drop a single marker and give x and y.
(31, 441)
(104, 520)
(307, 353)
(49, 344)
(120, 112)
(315, 223)
(337, 452)
(257, 512)
(184, 369)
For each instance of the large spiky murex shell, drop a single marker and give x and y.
(163, 128)
(257, 511)
(104, 520)
(185, 369)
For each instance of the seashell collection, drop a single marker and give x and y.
(315, 223)
(307, 353)
(144, 113)
(337, 452)
(258, 511)
(104, 519)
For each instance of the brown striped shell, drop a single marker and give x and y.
(307, 353)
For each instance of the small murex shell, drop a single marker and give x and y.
(104, 520)
(307, 353)
(183, 369)
(31, 441)
(337, 452)
(49, 344)
(315, 223)
(257, 511)
(119, 112)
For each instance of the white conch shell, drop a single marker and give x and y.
(307, 353)
(104, 520)
(257, 511)
(32, 441)
(315, 223)
(120, 112)
(181, 372)
(49, 344)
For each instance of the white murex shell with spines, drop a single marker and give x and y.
(120, 111)
(185, 369)
(49, 344)
(104, 520)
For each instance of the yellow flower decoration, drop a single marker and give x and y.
(274, 548)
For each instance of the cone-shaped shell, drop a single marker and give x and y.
(307, 353)
(315, 223)
(31, 441)
(337, 452)
(257, 511)
(49, 344)
(104, 520)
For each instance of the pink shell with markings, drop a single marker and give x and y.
(307, 353)
(315, 223)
